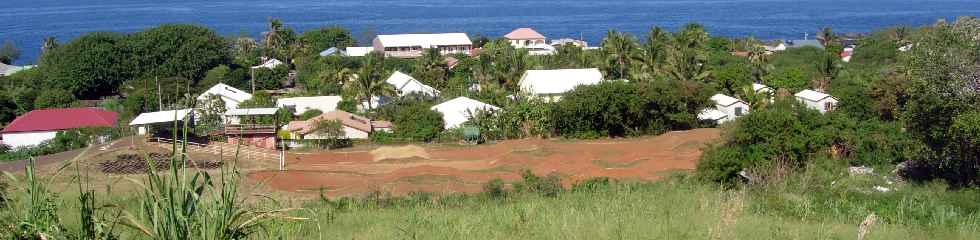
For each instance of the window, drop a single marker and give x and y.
(738, 111)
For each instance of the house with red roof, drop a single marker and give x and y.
(35, 127)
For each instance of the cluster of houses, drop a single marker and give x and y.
(239, 124)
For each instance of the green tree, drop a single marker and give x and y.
(89, 66)
(729, 79)
(619, 49)
(418, 122)
(653, 53)
(322, 38)
(370, 80)
(502, 64)
(431, 68)
(54, 98)
(687, 58)
(9, 53)
(181, 50)
(48, 44)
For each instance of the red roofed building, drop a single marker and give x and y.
(524, 37)
(38, 126)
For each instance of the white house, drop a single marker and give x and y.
(162, 119)
(551, 84)
(531, 40)
(772, 49)
(406, 85)
(412, 45)
(358, 51)
(459, 110)
(270, 64)
(817, 100)
(230, 95)
(354, 126)
(762, 89)
(35, 127)
(730, 106)
(299, 105)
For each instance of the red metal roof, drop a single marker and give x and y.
(60, 119)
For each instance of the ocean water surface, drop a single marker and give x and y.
(27, 22)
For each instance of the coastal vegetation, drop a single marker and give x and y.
(783, 171)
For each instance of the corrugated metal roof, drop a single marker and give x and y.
(406, 84)
(61, 119)
(160, 117)
(558, 81)
(303, 104)
(251, 111)
(712, 114)
(761, 88)
(359, 51)
(424, 40)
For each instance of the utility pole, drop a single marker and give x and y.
(252, 71)
(159, 95)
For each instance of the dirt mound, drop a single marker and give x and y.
(136, 164)
(405, 169)
(402, 152)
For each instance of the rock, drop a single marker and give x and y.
(862, 170)
(882, 189)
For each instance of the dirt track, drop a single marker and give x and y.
(401, 170)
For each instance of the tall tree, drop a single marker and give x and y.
(431, 68)
(687, 57)
(9, 53)
(320, 39)
(619, 49)
(183, 50)
(826, 36)
(48, 44)
(370, 80)
(90, 66)
(502, 64)
(653, 53)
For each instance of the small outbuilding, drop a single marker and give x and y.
(162, 122)
(35, 127)
(459, 110)
(406, 85)
(730, 106)
(817, 100)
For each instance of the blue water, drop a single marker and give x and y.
(28, 22)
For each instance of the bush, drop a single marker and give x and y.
(611, 108)
(417, 122)
(495, 189)
(312, 113)
(548, 186)
(592, 185)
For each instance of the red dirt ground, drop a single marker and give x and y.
(466, 169)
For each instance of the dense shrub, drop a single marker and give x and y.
(495, 189)
(549, 185)
(612, 108)
(417, 122)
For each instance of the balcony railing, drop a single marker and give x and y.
(244, 129)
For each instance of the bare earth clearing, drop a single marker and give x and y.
(405, 169)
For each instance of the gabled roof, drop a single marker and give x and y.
(811, 95)
(359, 51)
(558, 81)
(345, 118)
(160, 117)
(226, 91)
(524, 34)
(406, 84)
(725, 100)
(424, 40)
(459, 110)
(7, 70)
(61, 119)
(251, 111)
(270, 64)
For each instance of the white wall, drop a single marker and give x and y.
(24, 139)
(349, 132)
(820, 105)
(731, 110)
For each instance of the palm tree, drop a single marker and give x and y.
(339, 76)
(826, 36)
(431, 67)
(500, 63)
(370, 80)
(48, 44)
(653, 53)
(687, 58)
(619, 49)
(759, 60)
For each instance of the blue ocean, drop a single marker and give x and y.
(27, 22)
